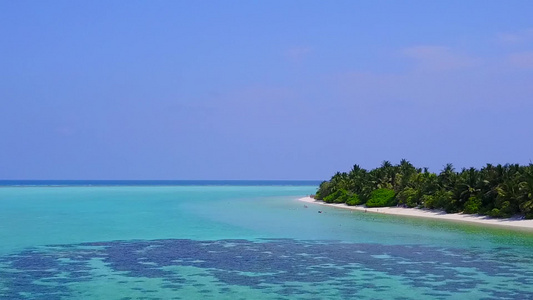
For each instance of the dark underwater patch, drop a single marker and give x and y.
(282, 267)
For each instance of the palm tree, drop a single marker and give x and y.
(525, 188)
(405, 171)
(447, 177)
(357, 179)
(467, 186)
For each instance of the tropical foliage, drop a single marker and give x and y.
(494, 190)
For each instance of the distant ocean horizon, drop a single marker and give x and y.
(215, 182)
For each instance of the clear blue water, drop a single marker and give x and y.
(240, 240)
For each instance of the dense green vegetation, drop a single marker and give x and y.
(496, 191)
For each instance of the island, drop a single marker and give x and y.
(495, 191)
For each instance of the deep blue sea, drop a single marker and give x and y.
(240, 240)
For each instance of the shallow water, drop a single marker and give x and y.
(242, 242)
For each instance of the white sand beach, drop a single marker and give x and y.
(434, 214)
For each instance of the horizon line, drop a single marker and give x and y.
(161, 180)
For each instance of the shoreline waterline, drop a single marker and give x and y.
(431, 214)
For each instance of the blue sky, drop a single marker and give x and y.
(261, 90)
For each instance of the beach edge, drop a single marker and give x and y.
(431, 214)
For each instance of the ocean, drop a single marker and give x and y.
(240, 240)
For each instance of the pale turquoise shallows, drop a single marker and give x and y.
(242, 242)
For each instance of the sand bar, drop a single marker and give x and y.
(433, 214)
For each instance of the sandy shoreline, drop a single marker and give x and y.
(421, 213)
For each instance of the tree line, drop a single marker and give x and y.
(495, 190)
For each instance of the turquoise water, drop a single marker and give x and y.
(246, 241)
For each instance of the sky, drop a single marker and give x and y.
(261, 89)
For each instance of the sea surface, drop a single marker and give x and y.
(240, 240)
